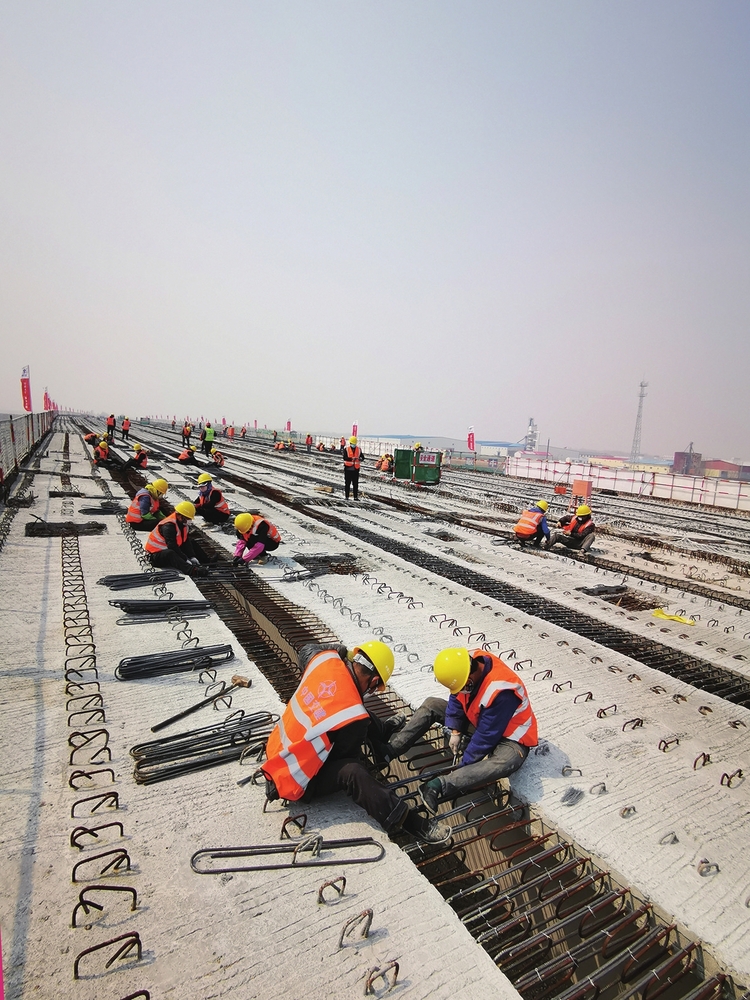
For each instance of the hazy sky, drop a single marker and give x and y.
(419, 215)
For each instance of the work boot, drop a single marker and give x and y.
(427, 828)
(262, 560)
(430, 793)
(392, 725)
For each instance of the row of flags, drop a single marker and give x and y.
(49, 403)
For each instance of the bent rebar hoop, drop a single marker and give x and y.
(368, 851)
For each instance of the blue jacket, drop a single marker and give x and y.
(543, 523)
(493, 720)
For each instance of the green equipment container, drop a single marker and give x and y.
(417, 466)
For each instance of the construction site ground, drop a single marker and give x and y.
(654, 807)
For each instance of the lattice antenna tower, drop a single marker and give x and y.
(635, 451)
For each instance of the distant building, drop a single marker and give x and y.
(687, 463)
(719, 469)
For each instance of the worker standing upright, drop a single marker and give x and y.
(125, 431)
(352, 459)
(309, 443)
(111, 426)
(207, 439)
(532, 525)
(211, 503)
(187, 430)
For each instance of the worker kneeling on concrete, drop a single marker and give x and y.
(489, 704)
(145, 508)
(210, 502)
(532, 525)
(577, 531)
(315, 749)
(137, 461)
(169, 544)
(256, 537)
(187, 456)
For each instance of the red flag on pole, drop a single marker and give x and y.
(289, 425)
(470, 440)
(26, 389)
(355, 428)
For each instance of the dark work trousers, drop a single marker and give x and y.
(506, 757)
(350, 776)
(536, 539)
(125, 433)
(186, 440)
(571, 541)
(169, 559)
(212, 515)
(147, 524)
(351, 481)
(206, 447)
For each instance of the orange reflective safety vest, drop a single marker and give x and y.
(126, 425)
(352, 457)
(522, 727)
(218, 458)
(528, 523)
(184, 455)
(155, 541)
(101, 453)
(273, 531)
(203, 500)
(111, 422)
(134, 515)
(326, 699)
(576, 527)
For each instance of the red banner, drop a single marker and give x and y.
(355, 428)
(255, 424)
(470, 440)
(289, 425)
(26, 389)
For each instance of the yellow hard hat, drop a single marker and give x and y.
(583, 510)
(542, 505)
(205, 477)
(243, 522)
(379, 656)
(192, 447)
(353, 439)
(185, 508)
(452, 668)
(137, 447)
(158, 486)
(213, 451)
(418, 444)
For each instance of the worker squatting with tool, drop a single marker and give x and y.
(315, 749)
(169, 543)
(256, 537)
(489, 704)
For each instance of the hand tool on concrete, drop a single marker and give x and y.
(237, 681)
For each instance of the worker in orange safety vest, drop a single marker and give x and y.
(145, 507)
(169, 544)
(210, 502)
(352, 459)
(490, 705)
(578, 531)
(125, 432)
(315, 749)
(532, 525)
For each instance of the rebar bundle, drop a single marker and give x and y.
(129, 581)
(198, 749)
(175, 662)
(175, 607)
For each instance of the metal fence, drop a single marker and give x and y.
(18, 438)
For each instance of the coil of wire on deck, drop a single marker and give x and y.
(174, 662)
(240, 735)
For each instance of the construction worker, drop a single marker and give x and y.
(169, 544)
(125, 432)
(101, 452)
(256, 536)
(210, 502)
(187, 457)
(91, 438)
(290, 445)
(187, 430)
(315, 749)
(218, 457)
(532, 525)
(321, 446)
(309, 443)
(275, 435)
(488, 703)
(577, 531)
(418, 447)
(230, 432)
(111, 426)
(145, 507)
(139, 460)
(352, 458)
(243, 432)
(208, 434)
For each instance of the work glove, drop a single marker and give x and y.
(194, 561)
(237, 561)
(455, 743)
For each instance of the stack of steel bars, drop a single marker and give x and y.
(178, 661)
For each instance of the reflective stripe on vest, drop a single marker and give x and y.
(273, 531)
(134, 515)
(327, 699)
(221, 506)
(155, 541)
(522, 727)
(352, 457)
(528, 523)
